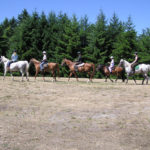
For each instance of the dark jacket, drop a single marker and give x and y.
(80, 60)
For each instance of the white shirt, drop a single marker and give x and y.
(112, 63)
(44, 57)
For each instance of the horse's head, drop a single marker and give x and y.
(63, 62)
(121, 62)
(31, 60)
(34, 61)
(3, 59)
(99, 67)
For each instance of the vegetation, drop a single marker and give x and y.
(62, 37)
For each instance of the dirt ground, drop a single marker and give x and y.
(39, 115)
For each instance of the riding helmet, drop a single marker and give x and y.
(44, 52)
(136, 53)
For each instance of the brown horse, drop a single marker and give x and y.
(53, 67)
(87, 67)
(118, 71)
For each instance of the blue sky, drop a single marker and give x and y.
(139, 10)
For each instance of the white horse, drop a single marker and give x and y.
(140, 69)
(21, 66)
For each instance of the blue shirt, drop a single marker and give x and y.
(14, 57)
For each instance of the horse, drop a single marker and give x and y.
(22, 66)
(87, 67)
(139, 69)
(118, 71)
(53, 67)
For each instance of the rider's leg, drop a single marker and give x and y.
(76, 68)
(41, 66)
(8, 64)
(110, 69)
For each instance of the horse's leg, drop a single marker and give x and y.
(37, 71)
(43, 75)
(144, 77)
(54, 77)
(110, 79)
(134, 79)
(27, 76)
(12, 76)
(90, 77)
(127, 79)
(106, 78)
(5, 73)
(147, 79)
(22, 72)
(54, 72)
(116, 79)
(76, 76)
(123, 77)
(70, 76)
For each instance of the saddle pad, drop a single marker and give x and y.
(45, 65)
(81, 65)
(137, 67)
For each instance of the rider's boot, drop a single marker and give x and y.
(76, 68)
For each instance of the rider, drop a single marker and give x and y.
(44, 61)
(79, 61)
(112, 64)
(14, 58)
(135, 62)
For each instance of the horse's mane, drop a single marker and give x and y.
(34, 60)
(69, 60)
(6, 59)
(127, 63)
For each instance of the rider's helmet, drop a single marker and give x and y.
(14, 51)
(111, 57)
(135, 53)
(44, 52)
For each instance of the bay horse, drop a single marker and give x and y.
(139, 69)
(87, 67)
(117, 71)
(22, 66)
(51, 67)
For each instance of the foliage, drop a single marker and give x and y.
(62, 37)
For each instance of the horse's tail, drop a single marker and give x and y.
(57, 67)
(27, 65)
(93, 73)
(123, 75)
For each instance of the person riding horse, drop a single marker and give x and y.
(44, 61)
(14, 58)
(112, 64)
(78, 62)
(135, 62)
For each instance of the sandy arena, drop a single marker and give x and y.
(39, 115)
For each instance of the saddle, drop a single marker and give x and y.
(77, 66)
(113, 68)
(45, 65)
(80, 65)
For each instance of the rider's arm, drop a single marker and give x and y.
(136, 58)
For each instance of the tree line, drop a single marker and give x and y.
(62, 37)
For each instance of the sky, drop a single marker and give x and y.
(138, 10)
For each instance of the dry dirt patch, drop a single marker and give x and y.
(74, 116)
